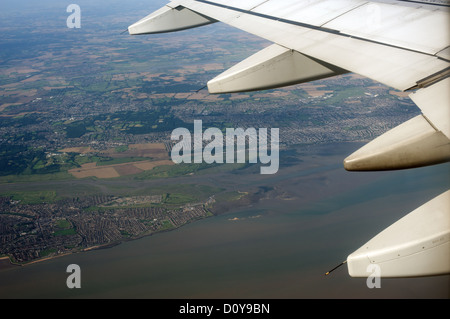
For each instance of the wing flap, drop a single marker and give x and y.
(272, 67)
(315, 13)
(444, 54)
(414, 143)
(169, 19)
(416, 245)
(434, 102)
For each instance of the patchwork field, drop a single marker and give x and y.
(151, 150)
(123, 162)
(116, 170)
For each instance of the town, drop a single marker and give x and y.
(36, 231)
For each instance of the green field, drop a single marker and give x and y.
(33, 197)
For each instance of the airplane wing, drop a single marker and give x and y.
(403, 44)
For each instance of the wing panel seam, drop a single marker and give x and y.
(340, 15)
(312, 27)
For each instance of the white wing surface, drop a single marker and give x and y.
(402, 44)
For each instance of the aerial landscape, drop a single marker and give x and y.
(86, 175)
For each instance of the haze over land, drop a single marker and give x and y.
(86, 116)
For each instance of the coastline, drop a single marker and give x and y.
(7, 263)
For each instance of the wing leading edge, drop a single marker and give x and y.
(404, 45)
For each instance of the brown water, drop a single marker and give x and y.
(279, 247)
